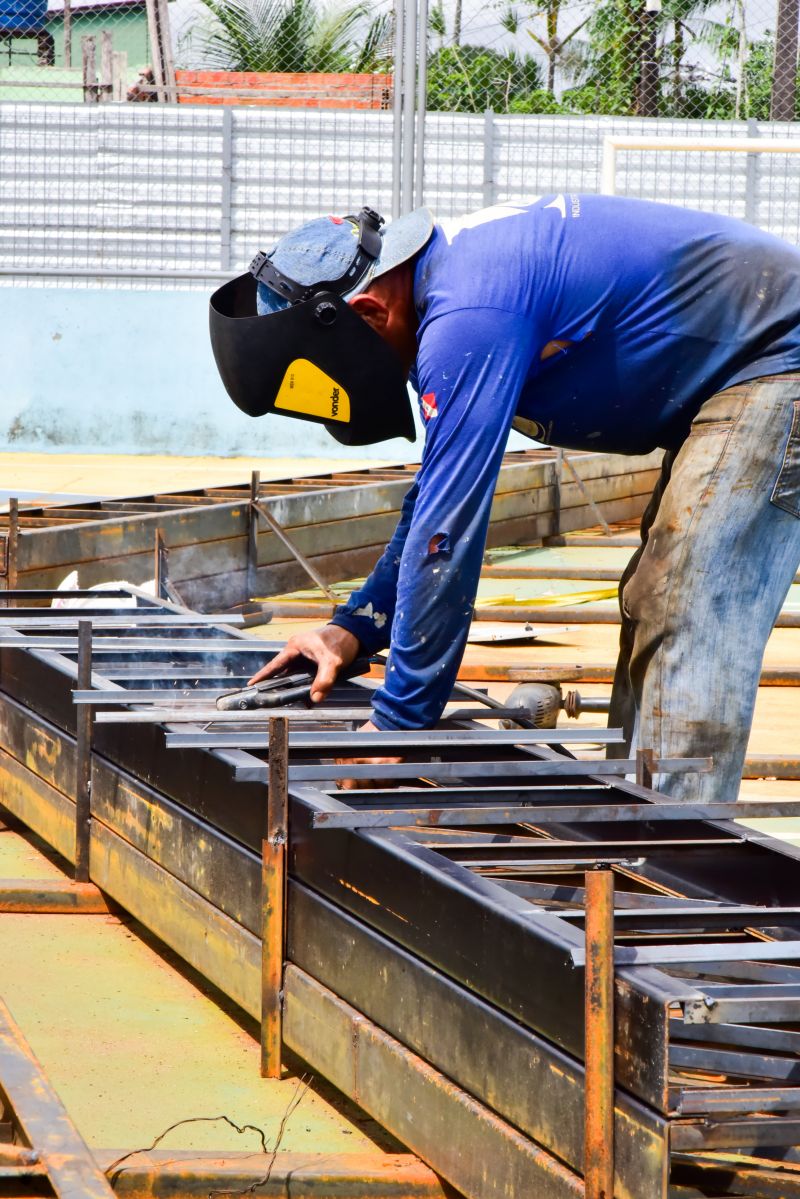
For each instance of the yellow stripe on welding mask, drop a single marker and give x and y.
(307, 389)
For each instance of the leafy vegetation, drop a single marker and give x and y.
(294, 36)
(691, 59)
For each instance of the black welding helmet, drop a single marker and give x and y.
(286, 341)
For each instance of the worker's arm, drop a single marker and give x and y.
(471, 367)
(369, 612)
(362, 625)
(419, 597)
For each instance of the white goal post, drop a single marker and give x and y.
(722, 145)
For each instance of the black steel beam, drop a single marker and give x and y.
(470, 1041)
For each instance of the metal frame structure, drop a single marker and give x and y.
(221, 546)
(434, 970)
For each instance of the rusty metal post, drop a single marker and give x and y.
(252, 536)
(555, 529)
(160, 566)
(12, 550)
(599, 1050)
(273, 910)
(645, 768)
(83, 756)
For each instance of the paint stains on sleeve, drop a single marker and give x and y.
(378, 618)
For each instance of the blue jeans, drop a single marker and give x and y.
(720, 548)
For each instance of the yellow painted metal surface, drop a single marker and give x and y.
(132, 1045)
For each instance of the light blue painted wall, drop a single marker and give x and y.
(108, 371)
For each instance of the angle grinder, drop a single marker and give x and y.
(284, 690)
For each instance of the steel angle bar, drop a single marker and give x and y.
(108, 609)
(196, 1175)
(536, 814)
(212, 715)
(207, 646)
(663, 955)
(745, 1177)
(332, 743)
(748, 1133)
(458, 739)
(208, 740)
(625, 900)
(560, 767)
(388, 796)
(700, 1101)
(719, 974)
(766, 1009)
(542, 846)
(66, 618)
(561, 865)
(144, 695)
(716, 990)
(745, 1036)
(732, 1062)
(156, 672)
(689, 916)
(53, 593)
(71, 1169)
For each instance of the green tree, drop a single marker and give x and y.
(476, 78)
(294, 36)
(553, 43)
(623, 40)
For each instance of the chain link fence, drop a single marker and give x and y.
(164, 141)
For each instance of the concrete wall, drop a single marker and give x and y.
(106, 371)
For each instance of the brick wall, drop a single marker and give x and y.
(276, 90)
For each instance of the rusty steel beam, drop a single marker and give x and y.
(52, 896)
(43, 1121)
(83, 799)
(767, 766)
(571, 672)
(462, 1139)
(523, 613)
(273, 929)
(599, 1040)
(183, 1175)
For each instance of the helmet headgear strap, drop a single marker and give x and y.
(368, 250)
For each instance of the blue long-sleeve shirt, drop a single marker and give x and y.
(662, 306)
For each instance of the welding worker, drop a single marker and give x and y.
(584, 321)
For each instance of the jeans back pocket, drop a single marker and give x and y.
(786, 492)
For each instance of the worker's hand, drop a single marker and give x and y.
(364, 784)
(331, 647)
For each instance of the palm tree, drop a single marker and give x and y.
(294, 36)
(550, 41)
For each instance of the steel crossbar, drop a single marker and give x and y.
(533, 813)
(208, 647)
(562, 767)
(427, 740)
(52, 618)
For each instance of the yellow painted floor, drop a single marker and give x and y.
(132, 1045)
(40, 475)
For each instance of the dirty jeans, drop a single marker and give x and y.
(720, 548)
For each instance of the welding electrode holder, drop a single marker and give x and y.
(283, 691)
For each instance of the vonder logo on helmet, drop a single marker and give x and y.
(310, 355)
